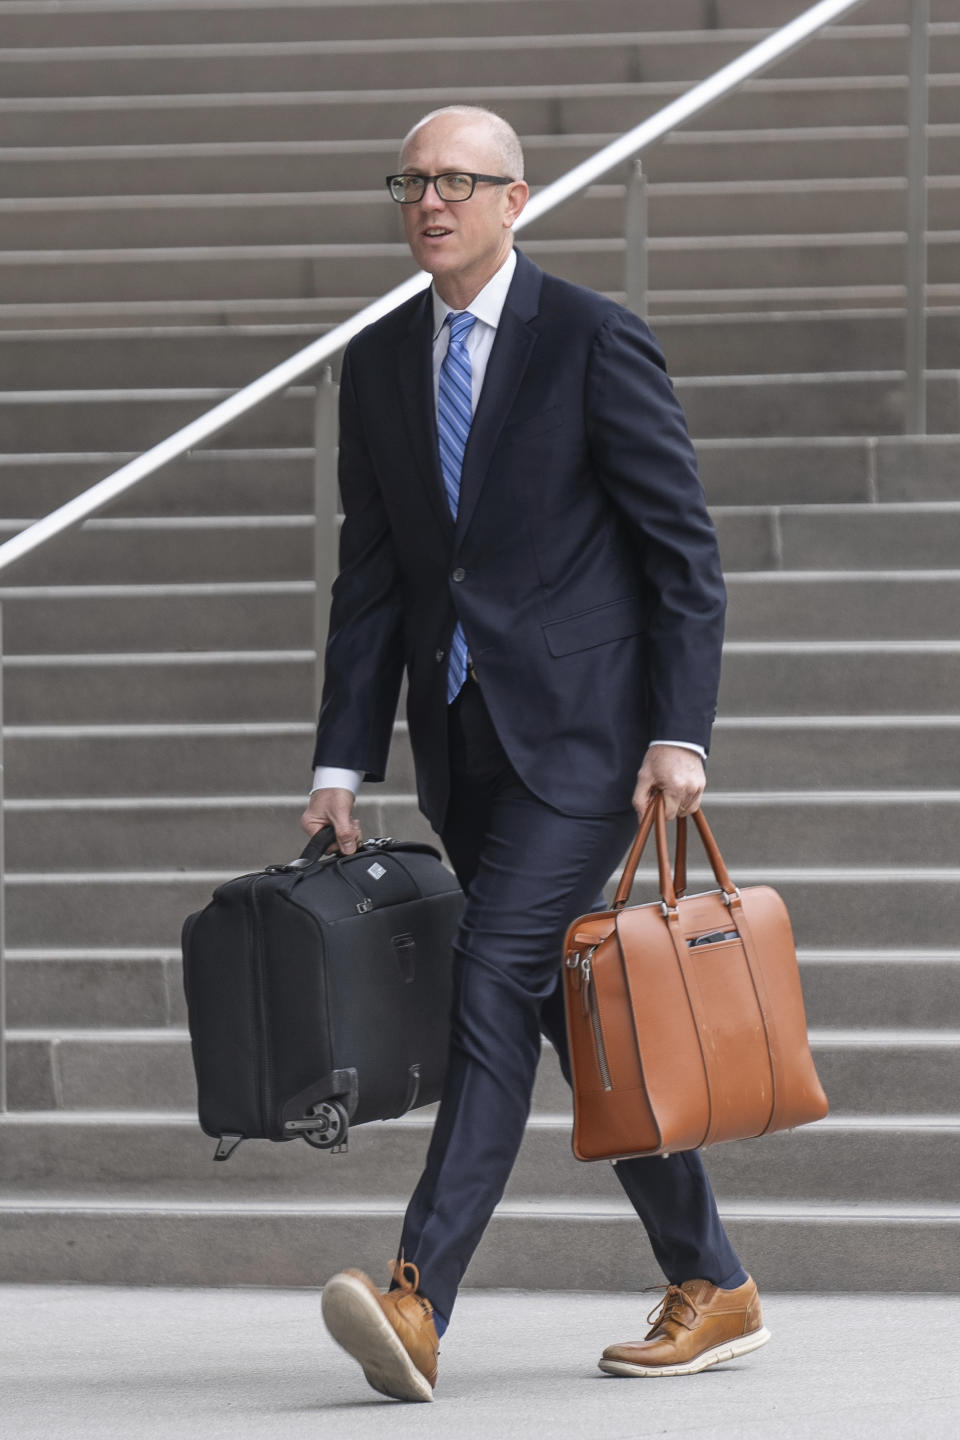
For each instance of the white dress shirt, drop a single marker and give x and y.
(487, 307)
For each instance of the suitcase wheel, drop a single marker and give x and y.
(332, 1127)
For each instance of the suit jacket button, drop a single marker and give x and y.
(458, 575)
(439, 656)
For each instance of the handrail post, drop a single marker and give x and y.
(325, 545)
(636, 237)
(3, 908)
(915, 397)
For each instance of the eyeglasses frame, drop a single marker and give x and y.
(432, 180)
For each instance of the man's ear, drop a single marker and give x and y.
(518, 193)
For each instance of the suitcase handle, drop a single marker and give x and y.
(653, 818)
(316, 846)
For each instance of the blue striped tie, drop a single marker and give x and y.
(454, 416)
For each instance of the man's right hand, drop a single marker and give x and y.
(333, 807)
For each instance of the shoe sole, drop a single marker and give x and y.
(357, 1323)
(716, 1356)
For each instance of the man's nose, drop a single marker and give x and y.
(430, 200)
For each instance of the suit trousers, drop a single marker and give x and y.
(526, 870)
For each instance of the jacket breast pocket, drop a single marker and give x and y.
(616, 620)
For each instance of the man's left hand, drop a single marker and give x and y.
(677, 773)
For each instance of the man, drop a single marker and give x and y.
(525, 534)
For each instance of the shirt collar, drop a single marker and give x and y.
(488, 305)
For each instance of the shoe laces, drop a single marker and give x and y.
(409, 1284)
(671, 1307)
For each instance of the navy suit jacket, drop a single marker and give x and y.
(583, 564)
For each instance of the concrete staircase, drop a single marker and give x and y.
(188, 192)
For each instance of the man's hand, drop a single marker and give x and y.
(677, 773)
(333, 807)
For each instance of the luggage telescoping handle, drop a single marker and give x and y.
(654, 818)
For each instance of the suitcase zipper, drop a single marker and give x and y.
(260, 1034)
(591, 1004)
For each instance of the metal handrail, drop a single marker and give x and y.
(304, 362)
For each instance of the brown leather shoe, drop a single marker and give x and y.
(392, 1336)
(695, 1326)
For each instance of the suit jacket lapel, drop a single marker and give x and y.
(509, 358)
(415, 382)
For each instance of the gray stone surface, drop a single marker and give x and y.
(108, 1364)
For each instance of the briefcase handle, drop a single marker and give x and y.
(672, 886)
(316, 846)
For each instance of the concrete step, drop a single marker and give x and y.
(835, 469)
(849, 1158)
(242, 832)
(867, 1072)
(813, 753)
(824, 605)
(294, 109)
(811, 542)
(824, 538)
(763, 207)
(849, 403)
(87, 989)
(813, 153)
(245, 549)
(205, 356)
(794, 605)
(135, 24)
(899, 908)
(768, 470)
(760, 677)
(692, 263)
(461, 62)
(534, 1245)
(830, 677)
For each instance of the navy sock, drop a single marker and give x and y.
(440, 1323)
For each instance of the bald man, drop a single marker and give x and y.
(526, 537)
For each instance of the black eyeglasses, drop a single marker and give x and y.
(455, 185)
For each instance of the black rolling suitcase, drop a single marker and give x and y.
(318, 993)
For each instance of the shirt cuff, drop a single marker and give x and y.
(329, 777)
(681, 745)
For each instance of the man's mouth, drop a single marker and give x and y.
(436, 232)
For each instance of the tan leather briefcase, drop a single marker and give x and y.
(685, 1016)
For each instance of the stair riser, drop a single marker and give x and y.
(867, 538)
(417, 19)
(884, 912)
(78, 1074)
(372, 117)
(277, 22)
(735, 407)
(782, 683)
(457, 66)
(87, 993)
(881, 610)
(837, 470)
(756, 346)
(520, 1253)
(686, 157)
(242, 837)
(215, 763)
(174, 275)
(596, 215)
(819, 1164)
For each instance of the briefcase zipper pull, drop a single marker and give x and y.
(586, 976)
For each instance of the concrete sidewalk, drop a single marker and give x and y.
(98, 1363)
